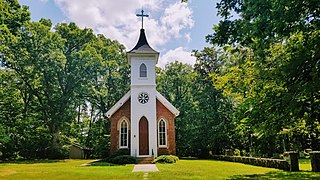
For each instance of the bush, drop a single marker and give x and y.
(123, 159)
(236, 152)
(166, 159)
(120, 152)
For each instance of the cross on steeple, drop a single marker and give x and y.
(142, 15)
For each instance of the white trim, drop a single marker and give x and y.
(142, 55)
(125, 98)
(165, 131)
(120, 122)
(144, 156)
(167, 104)
(121, 102)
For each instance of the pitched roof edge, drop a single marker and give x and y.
(167, 104)
(123, 100)
(159, 96)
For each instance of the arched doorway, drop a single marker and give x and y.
(143, 136)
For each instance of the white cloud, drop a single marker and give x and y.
(187, 36)
(117, 19)
(177, 17)
(178, 54)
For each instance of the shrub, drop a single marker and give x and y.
(166, 159)
(123, 159)
(120, 152)
(236, 152)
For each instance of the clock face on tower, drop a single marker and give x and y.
(143, 98)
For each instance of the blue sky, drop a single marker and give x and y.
(173, 28)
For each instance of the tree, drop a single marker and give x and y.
(175, 82)
(263, 22)
(204, 121)
(215, 110)
(57, 73)
(12, 15)
(283, 36)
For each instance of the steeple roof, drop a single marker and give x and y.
(143, 47)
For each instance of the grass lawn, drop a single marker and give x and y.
(183, 169)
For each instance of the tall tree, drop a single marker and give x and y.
(215, 110)
(284, 38)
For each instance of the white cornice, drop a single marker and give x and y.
(121, 102)
(167, 104)
(125, 98)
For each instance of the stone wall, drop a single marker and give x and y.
(264, 162)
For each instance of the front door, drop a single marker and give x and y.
(143, 137)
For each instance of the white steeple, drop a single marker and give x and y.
(143, 60)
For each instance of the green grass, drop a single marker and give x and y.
(305, 164)
(68, 169)
(183, 169)
(205, 169)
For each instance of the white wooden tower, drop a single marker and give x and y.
(143, 59)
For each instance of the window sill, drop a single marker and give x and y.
(163, 146)
(123, 147)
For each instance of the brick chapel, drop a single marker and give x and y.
(142, 121)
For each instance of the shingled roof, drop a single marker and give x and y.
(143, 46)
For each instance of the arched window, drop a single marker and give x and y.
(162, 133)
(123, 134)
(143, 70)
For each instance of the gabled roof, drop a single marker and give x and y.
(80, 146)
(121, 102)
(167, 104)
(125, 98)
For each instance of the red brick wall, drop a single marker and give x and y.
(123, 111)
(163, 112)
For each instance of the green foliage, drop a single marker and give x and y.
(166, 159)
(203, 109)
(123, 159)
(263, 22)
(269, 68)
(55, 85)
(12, 15)
(237, 152)
(120, 152)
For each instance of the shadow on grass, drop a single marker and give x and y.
(280, 175)
(103, 163)
(30, 161)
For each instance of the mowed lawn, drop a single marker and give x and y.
(183, 169)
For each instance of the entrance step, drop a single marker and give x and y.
(145, 160)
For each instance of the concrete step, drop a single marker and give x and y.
(145, 160)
